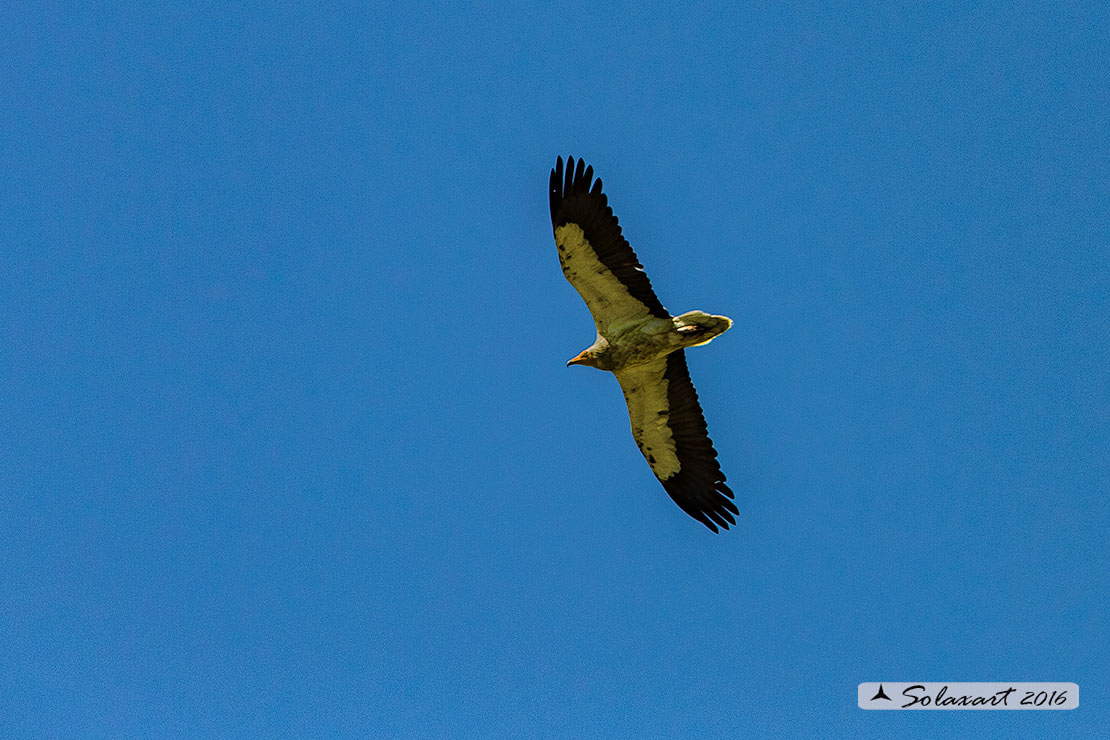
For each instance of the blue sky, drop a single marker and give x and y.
(289, 445)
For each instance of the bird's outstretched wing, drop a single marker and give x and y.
(595, 257)
(670, 430)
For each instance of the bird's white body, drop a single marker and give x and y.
(650, 339)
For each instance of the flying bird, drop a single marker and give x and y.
(642, 344)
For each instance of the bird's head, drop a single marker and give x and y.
(585, 357)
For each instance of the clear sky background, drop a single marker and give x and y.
(289, 449)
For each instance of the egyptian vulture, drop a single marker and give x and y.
(640, 343)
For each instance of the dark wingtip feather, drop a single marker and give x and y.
(555, 188)
(701, 517)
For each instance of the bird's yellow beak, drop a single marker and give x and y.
(577, 359)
